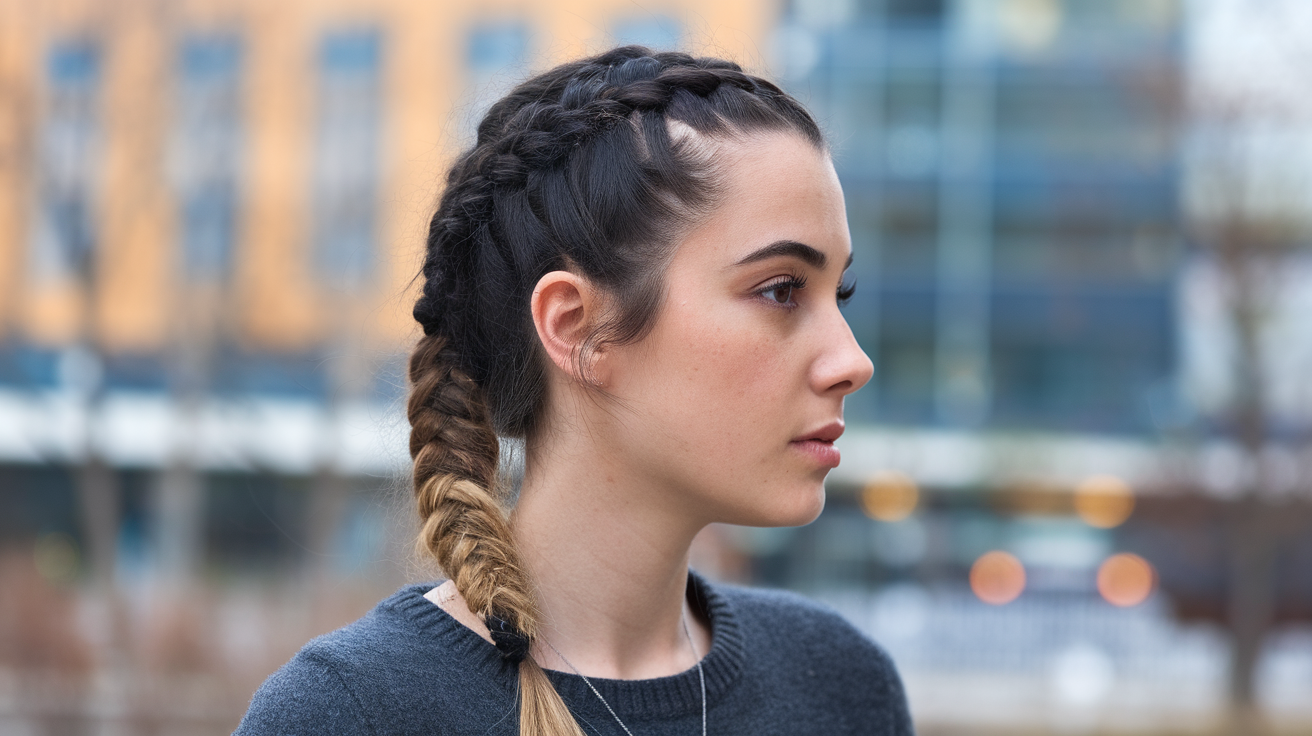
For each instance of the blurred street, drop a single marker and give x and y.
(1076, 498)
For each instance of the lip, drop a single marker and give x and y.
(819, 444)
(827, 433)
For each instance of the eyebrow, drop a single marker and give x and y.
(790, 249)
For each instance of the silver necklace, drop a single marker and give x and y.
(700, 676)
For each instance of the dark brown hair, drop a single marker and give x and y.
(594, 167)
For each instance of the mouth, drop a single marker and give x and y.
(818, 445)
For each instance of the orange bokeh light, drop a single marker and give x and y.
(1126, 580)
(1104, 501)
(997, 577)
(890, 496)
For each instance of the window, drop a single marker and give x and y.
(496, 57)
(497, 47)
(67, 165)
(909, 230)
(206, 153)
(1089, 229)
(255, 521)
(1079, 356)
(346, 156)
(906, 374)
(915, 11)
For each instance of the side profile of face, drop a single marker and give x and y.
(729, 406)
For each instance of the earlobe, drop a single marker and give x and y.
(564, 309)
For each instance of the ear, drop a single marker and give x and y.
(565, 309)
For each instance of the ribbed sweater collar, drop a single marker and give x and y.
(661, 697)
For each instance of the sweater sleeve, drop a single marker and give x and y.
(306, 696)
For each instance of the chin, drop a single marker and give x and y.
(811, 511)
(801, 507)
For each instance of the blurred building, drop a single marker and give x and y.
(212, 214)
(1042, 315)
(1056, 423)
(1011, 171)
(1012, 177)
(1035, 307)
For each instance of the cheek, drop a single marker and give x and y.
(739, 376)
(714, 397)
(727, 391)
(727, 373)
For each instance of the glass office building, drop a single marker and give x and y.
(1011, 177)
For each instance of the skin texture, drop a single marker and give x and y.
(645, 444)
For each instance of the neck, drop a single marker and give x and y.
(609, 564)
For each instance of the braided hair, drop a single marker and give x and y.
(596, 167)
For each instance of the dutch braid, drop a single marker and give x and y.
(576, 169)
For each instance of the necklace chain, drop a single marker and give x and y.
(701, 676)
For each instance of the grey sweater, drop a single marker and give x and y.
(779, 664)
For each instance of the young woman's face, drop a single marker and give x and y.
(733, 400)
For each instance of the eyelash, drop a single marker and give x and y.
(797, 282)
(791, 282)
(845, 291)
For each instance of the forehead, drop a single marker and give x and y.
(774, 187)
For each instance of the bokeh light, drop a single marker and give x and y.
(56, 557)
(1104, 501)
(890, 496)
(997, 577)
(1126, 579)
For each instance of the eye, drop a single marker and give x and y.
(780, 290)
(783, 293)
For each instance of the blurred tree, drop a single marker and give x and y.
(1250, 228)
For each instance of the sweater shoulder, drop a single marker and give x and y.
(403, 643)
(793, 612)
(371, 638)
(306, 695)
(804, 646)
(787, 627)
(360, 676)
(786, 620)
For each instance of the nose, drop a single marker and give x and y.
(842, 366)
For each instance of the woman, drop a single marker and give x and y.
(638, 270)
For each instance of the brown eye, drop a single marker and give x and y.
(783, 293)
